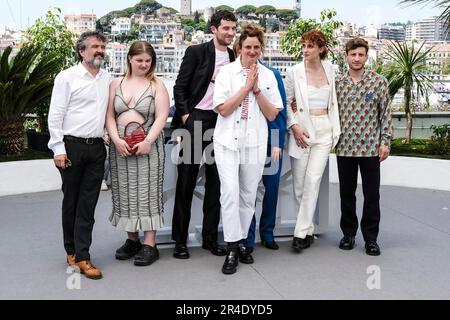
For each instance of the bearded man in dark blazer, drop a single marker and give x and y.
(193, 94)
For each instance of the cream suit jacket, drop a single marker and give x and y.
(296, 86)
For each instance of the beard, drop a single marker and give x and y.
(94, 62)
(223, 41)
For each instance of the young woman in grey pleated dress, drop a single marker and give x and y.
(137, 173)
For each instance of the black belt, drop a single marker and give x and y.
(84, 140)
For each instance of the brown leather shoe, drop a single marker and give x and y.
(71, 260)
(89, 270)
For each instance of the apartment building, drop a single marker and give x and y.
(79, 23)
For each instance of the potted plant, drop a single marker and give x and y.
(26, 80)
(37, 139)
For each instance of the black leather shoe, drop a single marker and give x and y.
(372, 248)
(298, 244)
(231, 262)
(270, 244)
(146, 256)
(347, 243)
(310, 238)
(214, 248)
(129, 249)
(244, 255)
(181, 251)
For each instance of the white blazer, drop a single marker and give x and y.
(296, 86)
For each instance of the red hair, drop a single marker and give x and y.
(316, 37)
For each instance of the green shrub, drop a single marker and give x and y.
(440, 140)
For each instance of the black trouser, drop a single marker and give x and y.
(187, 180)
(81, 183)
(370, 176)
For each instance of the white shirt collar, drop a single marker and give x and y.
(236, 66)
(81, 69)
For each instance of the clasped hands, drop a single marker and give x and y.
(251, 84)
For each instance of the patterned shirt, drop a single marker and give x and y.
(244, 111)
(365, 115)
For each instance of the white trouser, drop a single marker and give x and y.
(239, 172)
(307, 173)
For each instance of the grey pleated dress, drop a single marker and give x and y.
(137, 181)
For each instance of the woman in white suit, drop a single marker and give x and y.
(314, 129)
(245, 96)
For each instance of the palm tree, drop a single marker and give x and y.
(444, 4)
(408, 68)
(25, 81)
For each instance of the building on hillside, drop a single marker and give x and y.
(169, 57)
(279, 60)
(208, 13)
(173, 37)
(438, 56)
(120, 25)
(137, 18)
(347, 29)
(185, 7)
(79, 23)
(390, 32)
(408, 32)
(154, 30)
(273, 40)
(430, 29)
(298, 7)
(117, 57)
(371, 31)
(201, 37)
(163, 13)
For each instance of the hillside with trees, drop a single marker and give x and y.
(143, 7)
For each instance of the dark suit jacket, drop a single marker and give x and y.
(193, 79)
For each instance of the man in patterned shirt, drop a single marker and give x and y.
(366, 133)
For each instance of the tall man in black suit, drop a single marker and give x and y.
(193, 93)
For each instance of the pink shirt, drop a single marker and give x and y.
(222, 58)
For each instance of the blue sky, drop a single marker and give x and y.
(361, 12)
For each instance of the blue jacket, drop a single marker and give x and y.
(281, 119)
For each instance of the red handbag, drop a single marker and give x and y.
(136, 136)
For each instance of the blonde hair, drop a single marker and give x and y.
(139, 47)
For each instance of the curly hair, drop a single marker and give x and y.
(252, 30)
(316, 37)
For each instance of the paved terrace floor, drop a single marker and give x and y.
(414, 264)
